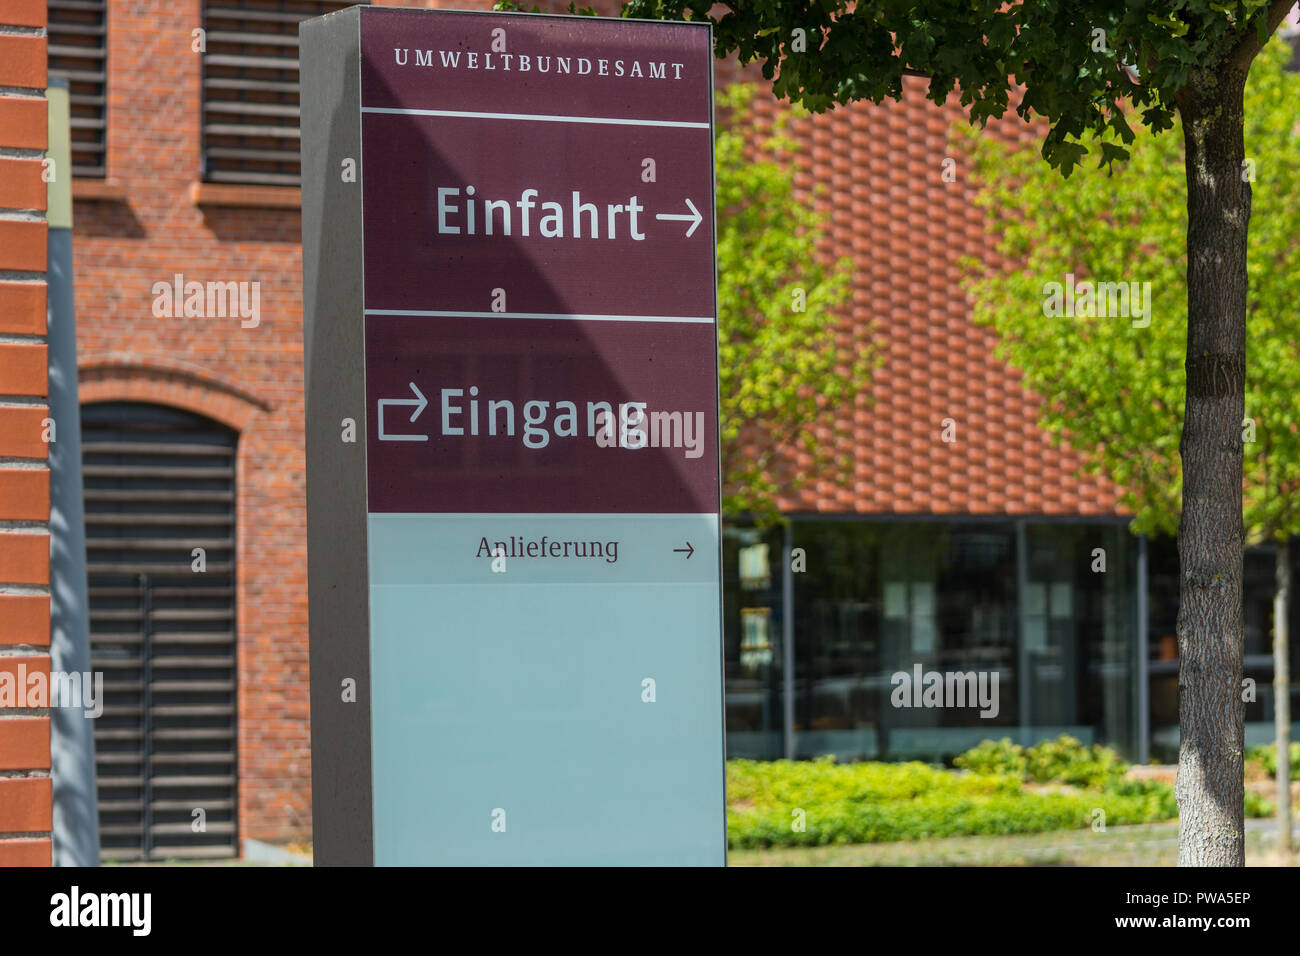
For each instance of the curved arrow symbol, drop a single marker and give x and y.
(694, 218)
(420, 402)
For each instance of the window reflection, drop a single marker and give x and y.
(1020, 605)
(1049, 607)
(752, 615)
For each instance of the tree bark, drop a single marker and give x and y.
(1282, 695)
(1211, 712)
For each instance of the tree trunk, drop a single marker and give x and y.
(1211, 712)
(1282, 695)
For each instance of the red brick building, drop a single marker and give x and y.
(150, 214)
(185, 128)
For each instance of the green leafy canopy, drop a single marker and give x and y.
(1116, 391)
(822, 52)
(782, 367)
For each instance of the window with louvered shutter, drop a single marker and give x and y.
(250, 89)
(160, 482)
(78, 53)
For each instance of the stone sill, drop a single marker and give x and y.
(227, 194)
(98, 190)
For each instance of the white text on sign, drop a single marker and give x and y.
(497, 217)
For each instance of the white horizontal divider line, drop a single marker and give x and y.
(537, 117)
(567, 316)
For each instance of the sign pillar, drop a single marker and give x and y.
(512, 439)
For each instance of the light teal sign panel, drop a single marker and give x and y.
(543, 710)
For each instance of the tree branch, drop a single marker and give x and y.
(1248, 46)
(1152, 57)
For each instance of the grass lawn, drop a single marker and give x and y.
(1148, 845)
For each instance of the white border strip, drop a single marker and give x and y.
(696, 319)
(538, 117)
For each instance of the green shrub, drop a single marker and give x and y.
(1002, 789)
(1162, 793)
(1257, 806)
(1064, 760)
(995, 756)
(877, 802)
(1266, 756)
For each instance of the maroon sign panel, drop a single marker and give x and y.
(539, 267)
(633, 70)
(556, 407)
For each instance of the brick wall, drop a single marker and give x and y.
(149, 219)
(146, 222)
(25, 790)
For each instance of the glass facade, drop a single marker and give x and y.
(854, 618)
(917, 639)
(753, 621)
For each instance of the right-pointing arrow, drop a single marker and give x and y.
(694, 219)
(688, 550)
(420, 403)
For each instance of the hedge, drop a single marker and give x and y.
(999, 789)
